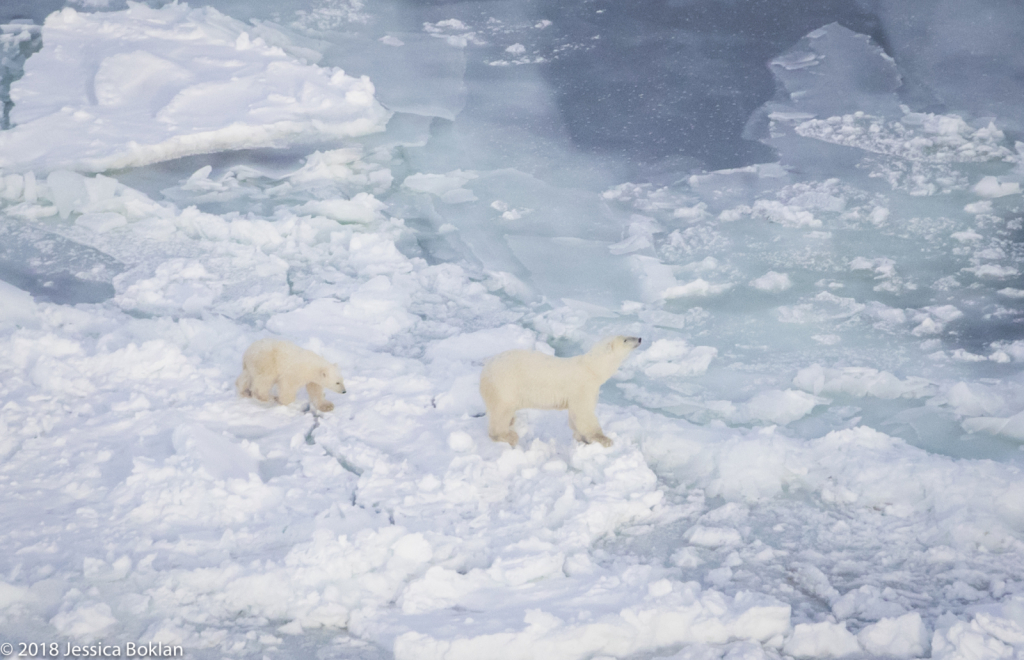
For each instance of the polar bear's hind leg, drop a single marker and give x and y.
(261, 386)
(576, 435)
(244, 383)
(499, 425)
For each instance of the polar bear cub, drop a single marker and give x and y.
(270, 362)
(514, 380)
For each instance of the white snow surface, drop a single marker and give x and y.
(816, 448)
(167, 83)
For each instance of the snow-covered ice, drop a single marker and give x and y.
(142, 93)
(817, 449)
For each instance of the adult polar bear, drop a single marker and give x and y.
(270, 362)
(514, 380)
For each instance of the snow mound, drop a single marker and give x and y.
(166, 83)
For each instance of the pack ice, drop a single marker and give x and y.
(816, 454)
(161, 84)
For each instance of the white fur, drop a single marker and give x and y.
(270, 362)
(514, 380)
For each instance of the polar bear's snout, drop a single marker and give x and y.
(332, 380)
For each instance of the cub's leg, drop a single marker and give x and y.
(261, 385)
(244, 383)
(316, 398)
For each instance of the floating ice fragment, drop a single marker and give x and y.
(363, 208)
(447, 24)
(986, 636)
(859, 382)
(686, 557)
(918, 137)
(796, 59)
(878, 216)
(632, 244)
(821, 640)
(990, 186)
(101, 222)
(993, 271)
(11, 594)
(85, 621)
(641, 235)
(781, 407)
(903, 637)
(978, 208)
(67, 190)
(967, 236)
(449, 187)
(772, 282)
(698, 287)
(30, 191)
(1009, 427)
(971, 400)
(674, 358)
(692, 213)
(966, 356)
(713, 537)
(936, 320)
(825, 307)
(16, 306)
(787, 216)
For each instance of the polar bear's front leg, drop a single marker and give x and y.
(585, 426)
(316, 397)
(286, 390)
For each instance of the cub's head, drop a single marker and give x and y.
(331, 378)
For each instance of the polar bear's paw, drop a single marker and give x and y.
(511, 437)
(599, 438)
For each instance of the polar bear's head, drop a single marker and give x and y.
(331, 378)
(617, 345)
(606, 355)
